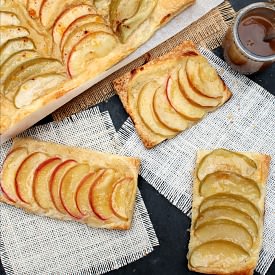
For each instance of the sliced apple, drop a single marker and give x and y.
(101, 194)
(8, 18)
(228, 161)
(216, 254)
(147, 113)
(228, 213)
(29, 69)
(24, 176)
(231, 200)
(179, 102)
(13, 46)
(14, 61)
(94, 45)
(228, 182)
(122, 197)
(128, 26)
(203, 77)
(41, 183)
(191, 95)
(10, 167)
(11, 32)
(77, 23)
(68, 188)
(82, 197)
(36, 87)
(224, 230)
(55, 183)
(67, 17)
(78, 34)
(166, 113)
(33, 7)
(120, 10)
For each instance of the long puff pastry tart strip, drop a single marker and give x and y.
(68, 183)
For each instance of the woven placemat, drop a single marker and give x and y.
(207, 32)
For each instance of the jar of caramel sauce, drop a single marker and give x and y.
(245, 47)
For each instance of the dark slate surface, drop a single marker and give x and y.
(170, 224)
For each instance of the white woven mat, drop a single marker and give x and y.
(245, 123)
(36, 245)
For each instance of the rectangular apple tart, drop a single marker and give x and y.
(227, 212)
(67, 183)
(50, 47)
(171, 93)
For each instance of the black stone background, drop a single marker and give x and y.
(170, 224)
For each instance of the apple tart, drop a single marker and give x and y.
(169, 94)
(227, 212)
(50, 47)
(67, 183)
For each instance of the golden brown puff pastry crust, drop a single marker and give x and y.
(227, 212)
(175, 119)
(69, 183)
(36, 22)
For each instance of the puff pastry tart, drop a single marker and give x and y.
(50, 47)
(227, 212)
(171, 93)
(67, 183)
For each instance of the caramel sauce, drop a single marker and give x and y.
(252, 30)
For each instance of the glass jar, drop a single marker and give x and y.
(244, 48)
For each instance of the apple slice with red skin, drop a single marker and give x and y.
(179, 102)
(55, 183)
(41, 183)
(83, 191)
(68, 188)
(33, 8)
(10, 167)
(67, 17)
(101, 194)
(77, 23)
(24, 176)
(121, 197)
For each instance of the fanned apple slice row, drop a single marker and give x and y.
(101, 195)
(121, 197)
(30, 69)
(25, 174)
(191, 95)
(224, 230)
(128, 27)
(10, 167)
(225, 253)
(228, 213)
(8, 18)
(41, 183)
(11, 32)
(179, 102)
(94, 45)
(227, 161)
(77, 23)
(147, 113)
(13, 46)
(33, 8)
(120, 10)
(67, 17)
(55, 183)
(231, 200)
(82, 197)
(166, 113)
(14, 61)
(68, 188)
(78, 34)
(204, 77)
(231, 183)
(36, 87)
